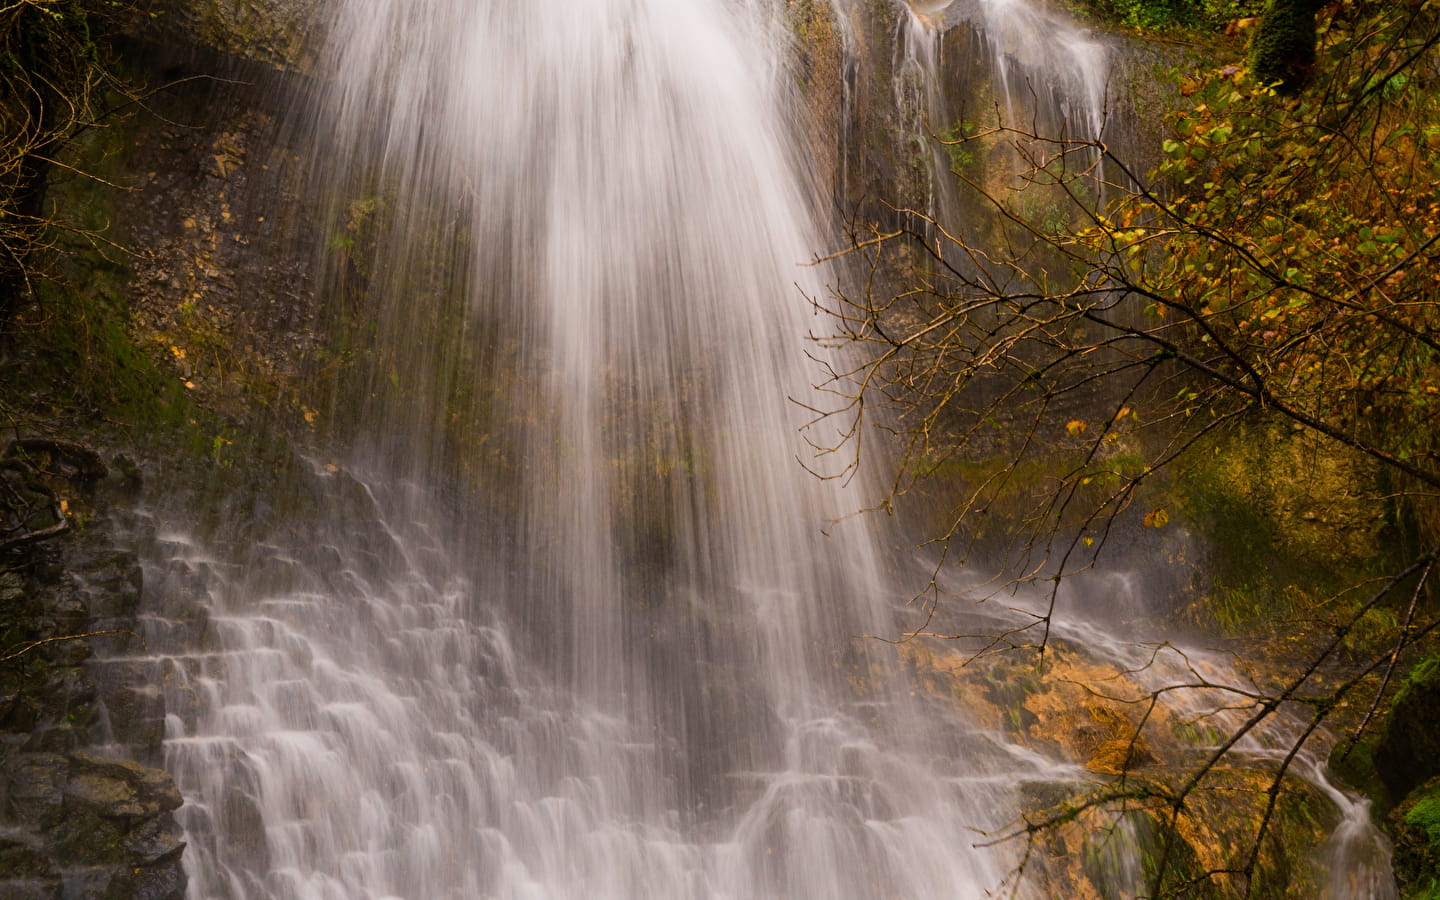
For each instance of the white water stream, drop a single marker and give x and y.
(635, 671)
(643, 678)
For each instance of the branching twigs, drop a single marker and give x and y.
(57, 87)
(22, 649)
(1279, 267)
(1404, 638)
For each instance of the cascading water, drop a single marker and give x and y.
(576, 230)
(568, 619)
(1041, 54)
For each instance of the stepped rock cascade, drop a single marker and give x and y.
(569, 621)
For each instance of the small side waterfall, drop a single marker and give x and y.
(1045, 78)
(1051, 71)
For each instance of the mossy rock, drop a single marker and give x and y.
(1282, 50)
(26, 873)
(1415, 830)
(1407, 752)
(1354, 765)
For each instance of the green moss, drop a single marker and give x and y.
(1197, 734)
(1282, 50)
(1407, 752)
(1245, 588)
(1425, 815)
(1291, 533)
(1169, 15)
(1424, 676)
(1301, 824)
(1107, 857)
(1354, 765)
(1415, 830)
(1010, 695)
(78, 356)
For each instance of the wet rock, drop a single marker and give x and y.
(163, 880)
(19, 713)
(70, 463)
(1407, 752)
(114, 579)
(78, 824)
(35, 789)
(107, 796)
(61, 738)
(26, 873)
(12, 588)
(29, 511)
(1092, 849)
(136, 714)
(151, 843)
(244, 827)
(1117, 757)
(266, 32)
(1415, 828)
(119, 788)
(1113, 742)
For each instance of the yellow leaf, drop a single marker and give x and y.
(1156, 518)
(1089, 542)
(1076, 427)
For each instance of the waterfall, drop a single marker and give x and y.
(568, 618)
(556, 609)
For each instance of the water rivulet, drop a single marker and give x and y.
(568, 617)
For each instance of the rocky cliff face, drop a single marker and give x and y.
(84, 809)
(268, 34)
(208, 328)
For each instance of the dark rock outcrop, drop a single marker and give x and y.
(79, 815)
(1408, 750)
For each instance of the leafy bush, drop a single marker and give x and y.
(1156, 15)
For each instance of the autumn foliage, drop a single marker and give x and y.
(1288, 248)
(1279, 270)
